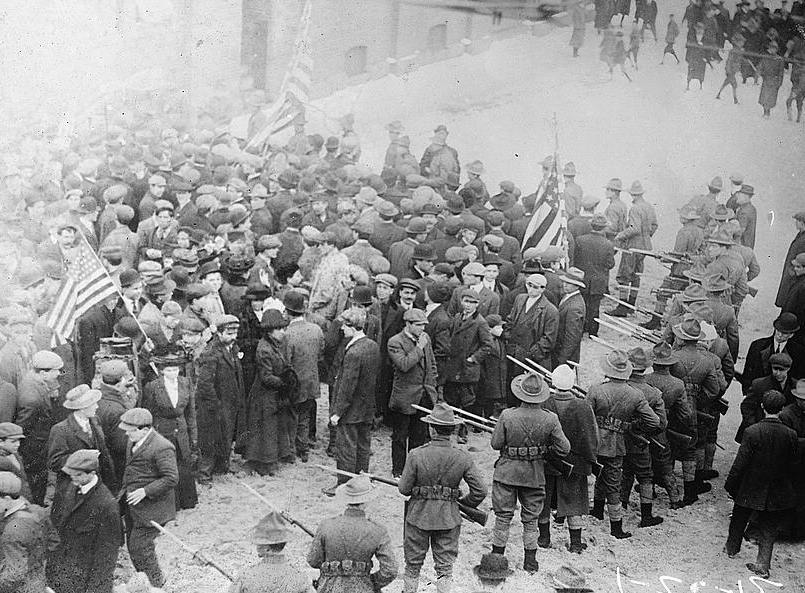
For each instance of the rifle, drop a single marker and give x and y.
(284, 515)
(467, 512)
(195, 553)
(633, 307)
(543, 373)
(660, 256)
(634, 328)
(577, 389)
(624, 331)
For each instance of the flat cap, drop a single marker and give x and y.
(454, 254)
(9, 430)
(470, 295)
(45, 360)
(493, 240)
(387, 279)
(226, 320)
(136, 417)
(10, 483)
(80, 397)
(196, 291)
(115, 193)
(82, 461)
(414, 315)
(113, 370)
(409, 283)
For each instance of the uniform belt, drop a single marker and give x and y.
(525, 453)
(435, 493)
(612, 424)
(345, 568)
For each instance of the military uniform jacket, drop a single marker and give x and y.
(654, 398)
(617, 406)
(726, 324)
(343, 548)
(703, 380)
(617, 215)
(641, 226)
(524, 436)
(431, 477)
(272, 575)
(679, 411)
(732, 268)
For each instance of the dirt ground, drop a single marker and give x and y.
(498, 107)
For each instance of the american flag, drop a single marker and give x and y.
(547, 225)
(85, 284)
(295, 89)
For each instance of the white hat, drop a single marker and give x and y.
(563, 378)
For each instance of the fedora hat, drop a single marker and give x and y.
(689, 329)
(357, 490)
(722, 213)
(689, 214)
(663, 355)
(787, 323)
(493, 567)
(272, 529)
(442, 415)
(530, 388)
(615, 364)
(80, 397)
(423, 251)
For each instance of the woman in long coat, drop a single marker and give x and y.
(172, 403)
(270, 421)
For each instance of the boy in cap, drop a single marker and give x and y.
(90, 530)
(431, 477)
(10, 459)
(524, 435)
(344, 546)
(273, 572)
(492, 390)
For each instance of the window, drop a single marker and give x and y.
(355, 62)
(437, 38)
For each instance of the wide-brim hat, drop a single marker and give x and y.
(357, 490)
(81, 397)
(689, 329)
(530, 388)
(272, 529)
(614, 184)
(615, 364)
(573, 276)
(664, 355)
(493, 567)
(721, 238)
(787, 323)
(442, 415)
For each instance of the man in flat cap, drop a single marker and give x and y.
(272, 572)
(90, 531)
(118, 394)
(147, 492)
(11, 436)
(36, 415)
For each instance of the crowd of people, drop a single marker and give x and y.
(249, 286)
(763, 43)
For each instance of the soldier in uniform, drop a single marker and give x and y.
(616, 405)
(723, 317)
(681, 421)
(431, 477)
(572, 491)
(344, 546)
(637, 463)
(595, 256)
(272, 573)
(731, 268)
(524, 436)
(642, 225)
(704, 382)
(616, 212)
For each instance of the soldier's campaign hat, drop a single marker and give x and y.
(272, 529)
(45, 360)
(599, 222)
(386, 208)
(641, 358)
(799, 391)
(614, 184)
(387, 279)
(701, 310)
(569, 169)
(563, 378)
(357, 490)
(689, 214)
(715, 283)
(780, 360)
(442, 415)
(113, 370)
(136, 418)
(473, 269)
(493, 567)
(294, 301)
(273, 319)
(81, 461)
(530, 388)
(737, 178)
(80, 397)
(663, 355)
(716, 183)
(476, 167)
(747, 189)
(416, 226)
(636, 188)
(722, 213)
(9, 430)
(615, 364)
(573, 276)
(694, 292)
(722, 237)
(689, 329)
(409, 283)
(10, 484)
(423, 252)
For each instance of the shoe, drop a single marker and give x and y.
(329, 491)
(758, 570)
(731, 553)
(703, 487)
(646, 517)
(620, 311)
(576, 546)
(530, 563)
(690, 493)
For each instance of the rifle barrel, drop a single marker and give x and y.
(285, 515)
(470, 415)
(547, 374)
(484, 427)
(195, 553)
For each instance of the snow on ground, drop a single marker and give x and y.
(498, 107)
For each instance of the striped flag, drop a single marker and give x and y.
(547, 225)
(85, 284)
(295, 88)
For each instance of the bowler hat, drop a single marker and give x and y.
(493, 567)
(616, 364)
(442, 415)
(272, 529)
(357, 490)
(294, 301)
(689, 329)
(136, 418)
(663, 355)
(361, 295)
(9, 430)
(80, 397)
(81, 461)
(787, 323)
(530, 388)
(416, 226)
(423, 251)
(273, 319)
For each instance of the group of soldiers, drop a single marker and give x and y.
(248, 284)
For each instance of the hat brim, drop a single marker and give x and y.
(277, 536)
(429, 419)
(82, 402)
(13, 437)
(612, 372)
(798, 394)
(71, 471)
(786, 330)
(671, 360)
(519, 393)
(574, 281)
(344, 498)
(498, 575)
(680, 333)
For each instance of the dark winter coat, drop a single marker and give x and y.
(572, 312)
(595, 256)
(797, 246)
(177, 424)
(493, 383)
(757, 360)
(354, 388)
(110, 409)
(415, 374)
(151, 467)
(24, 538)
(470, 343)
(751, 406)
(98, 322)
(532, 333)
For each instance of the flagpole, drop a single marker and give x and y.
(562, 210)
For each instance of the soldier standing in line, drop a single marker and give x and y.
(431, 477)
(524, 436)
(344, 546)
(616, 405)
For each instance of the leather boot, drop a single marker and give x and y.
(410, 584)
(530, 563)
(708, 473)
(701, 485)
(499, 550)
(690, 493)
(444, 584)
(544, 539)
(576, 545)
(598, 509)
(646, 517)
(652, 324)
(620, 311)
(616, 530)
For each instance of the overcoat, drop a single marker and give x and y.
(415, 374)
(572, 312)
(355, 380)
(151, 467)
(470, 343)
(532, 333)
